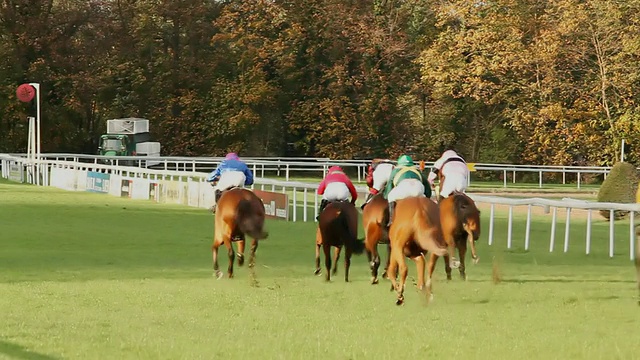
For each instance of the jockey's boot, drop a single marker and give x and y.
(216, 197)
(392, 208)
(366, 201)
(323, 204)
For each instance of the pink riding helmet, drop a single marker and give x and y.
(232, 156)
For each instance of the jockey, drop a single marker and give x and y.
(453, 176)
(232, 172)
(377, 176)
(335, 186)
(405, 181)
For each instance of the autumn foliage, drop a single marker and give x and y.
(554, 82)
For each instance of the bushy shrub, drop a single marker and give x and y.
(620, 186)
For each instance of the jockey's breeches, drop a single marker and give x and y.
(230, 179)
(406, 188)
(381, 175)
(336, 191)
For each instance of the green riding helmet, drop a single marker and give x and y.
(405, 160)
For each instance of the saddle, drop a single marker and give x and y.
(220, 192)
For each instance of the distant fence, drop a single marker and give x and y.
(190, 188)
(316, 167)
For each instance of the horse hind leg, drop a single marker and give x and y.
(336, 257)
(318, 271)
(232, 256)
(403, 271)
(386, 267)
(240, 252)
(447, 266)
(347, 263)
(462, 251)
(214, 253)
(327, 260)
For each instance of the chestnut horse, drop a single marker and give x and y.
(337, 226)
(239, 212)
(415, 229)
(460, 221)
(374, 218)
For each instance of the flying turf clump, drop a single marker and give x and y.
(620, 187)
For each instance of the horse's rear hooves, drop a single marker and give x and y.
(218, 274)
(317, 272)
(476, 260)
(400, 301)
(374, 281)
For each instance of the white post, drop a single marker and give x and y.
(632, 235)
(622, 151)
(611, 232)
(510, 227)
(491, 224)
(528, 230)
(552, 241)
(588, 249)
(37, 148)
(567, 227)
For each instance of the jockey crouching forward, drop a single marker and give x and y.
(453, 173)
(405, 181)
(232, 172)
(377, 177)
(336, 186)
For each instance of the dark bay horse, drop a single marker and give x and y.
(415, 230)
(239, 212)
(338, 227)
(374, 217)
(460, 221)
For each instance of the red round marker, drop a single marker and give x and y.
(25, 92)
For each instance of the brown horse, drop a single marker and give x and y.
(337, 226)
(415, 230)
(374, 218)
(239, 212)
(460, 221)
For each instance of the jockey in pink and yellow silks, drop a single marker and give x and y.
(453, 173)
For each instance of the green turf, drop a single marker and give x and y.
(89, 276)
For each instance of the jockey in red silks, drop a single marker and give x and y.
(377, 176)
(336, 186)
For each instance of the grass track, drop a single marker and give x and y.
(89, 276)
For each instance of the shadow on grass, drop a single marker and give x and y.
(15, 351)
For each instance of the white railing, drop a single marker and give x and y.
(317, 167)
(18, 169)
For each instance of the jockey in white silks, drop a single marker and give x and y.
(232, 172)
(377, 177)
(453, 171)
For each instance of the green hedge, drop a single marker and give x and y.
(619, 187)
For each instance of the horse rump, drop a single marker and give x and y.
(340, 226)
(250, 220)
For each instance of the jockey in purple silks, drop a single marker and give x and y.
(232, 172)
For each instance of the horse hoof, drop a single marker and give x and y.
(400, 301)
(218, 274)
(240, 259)
(374, 281)
(317, 272)
(230, 276)
(454, 264)
(384, 275)
(448, 277)
(476, 260)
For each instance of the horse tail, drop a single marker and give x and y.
(250, 221)
(429, 237)
(357, 245)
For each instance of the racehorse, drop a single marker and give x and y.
(460, 221)
(374, 217)
(415, 229)
(337, 226)
(239, 212)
